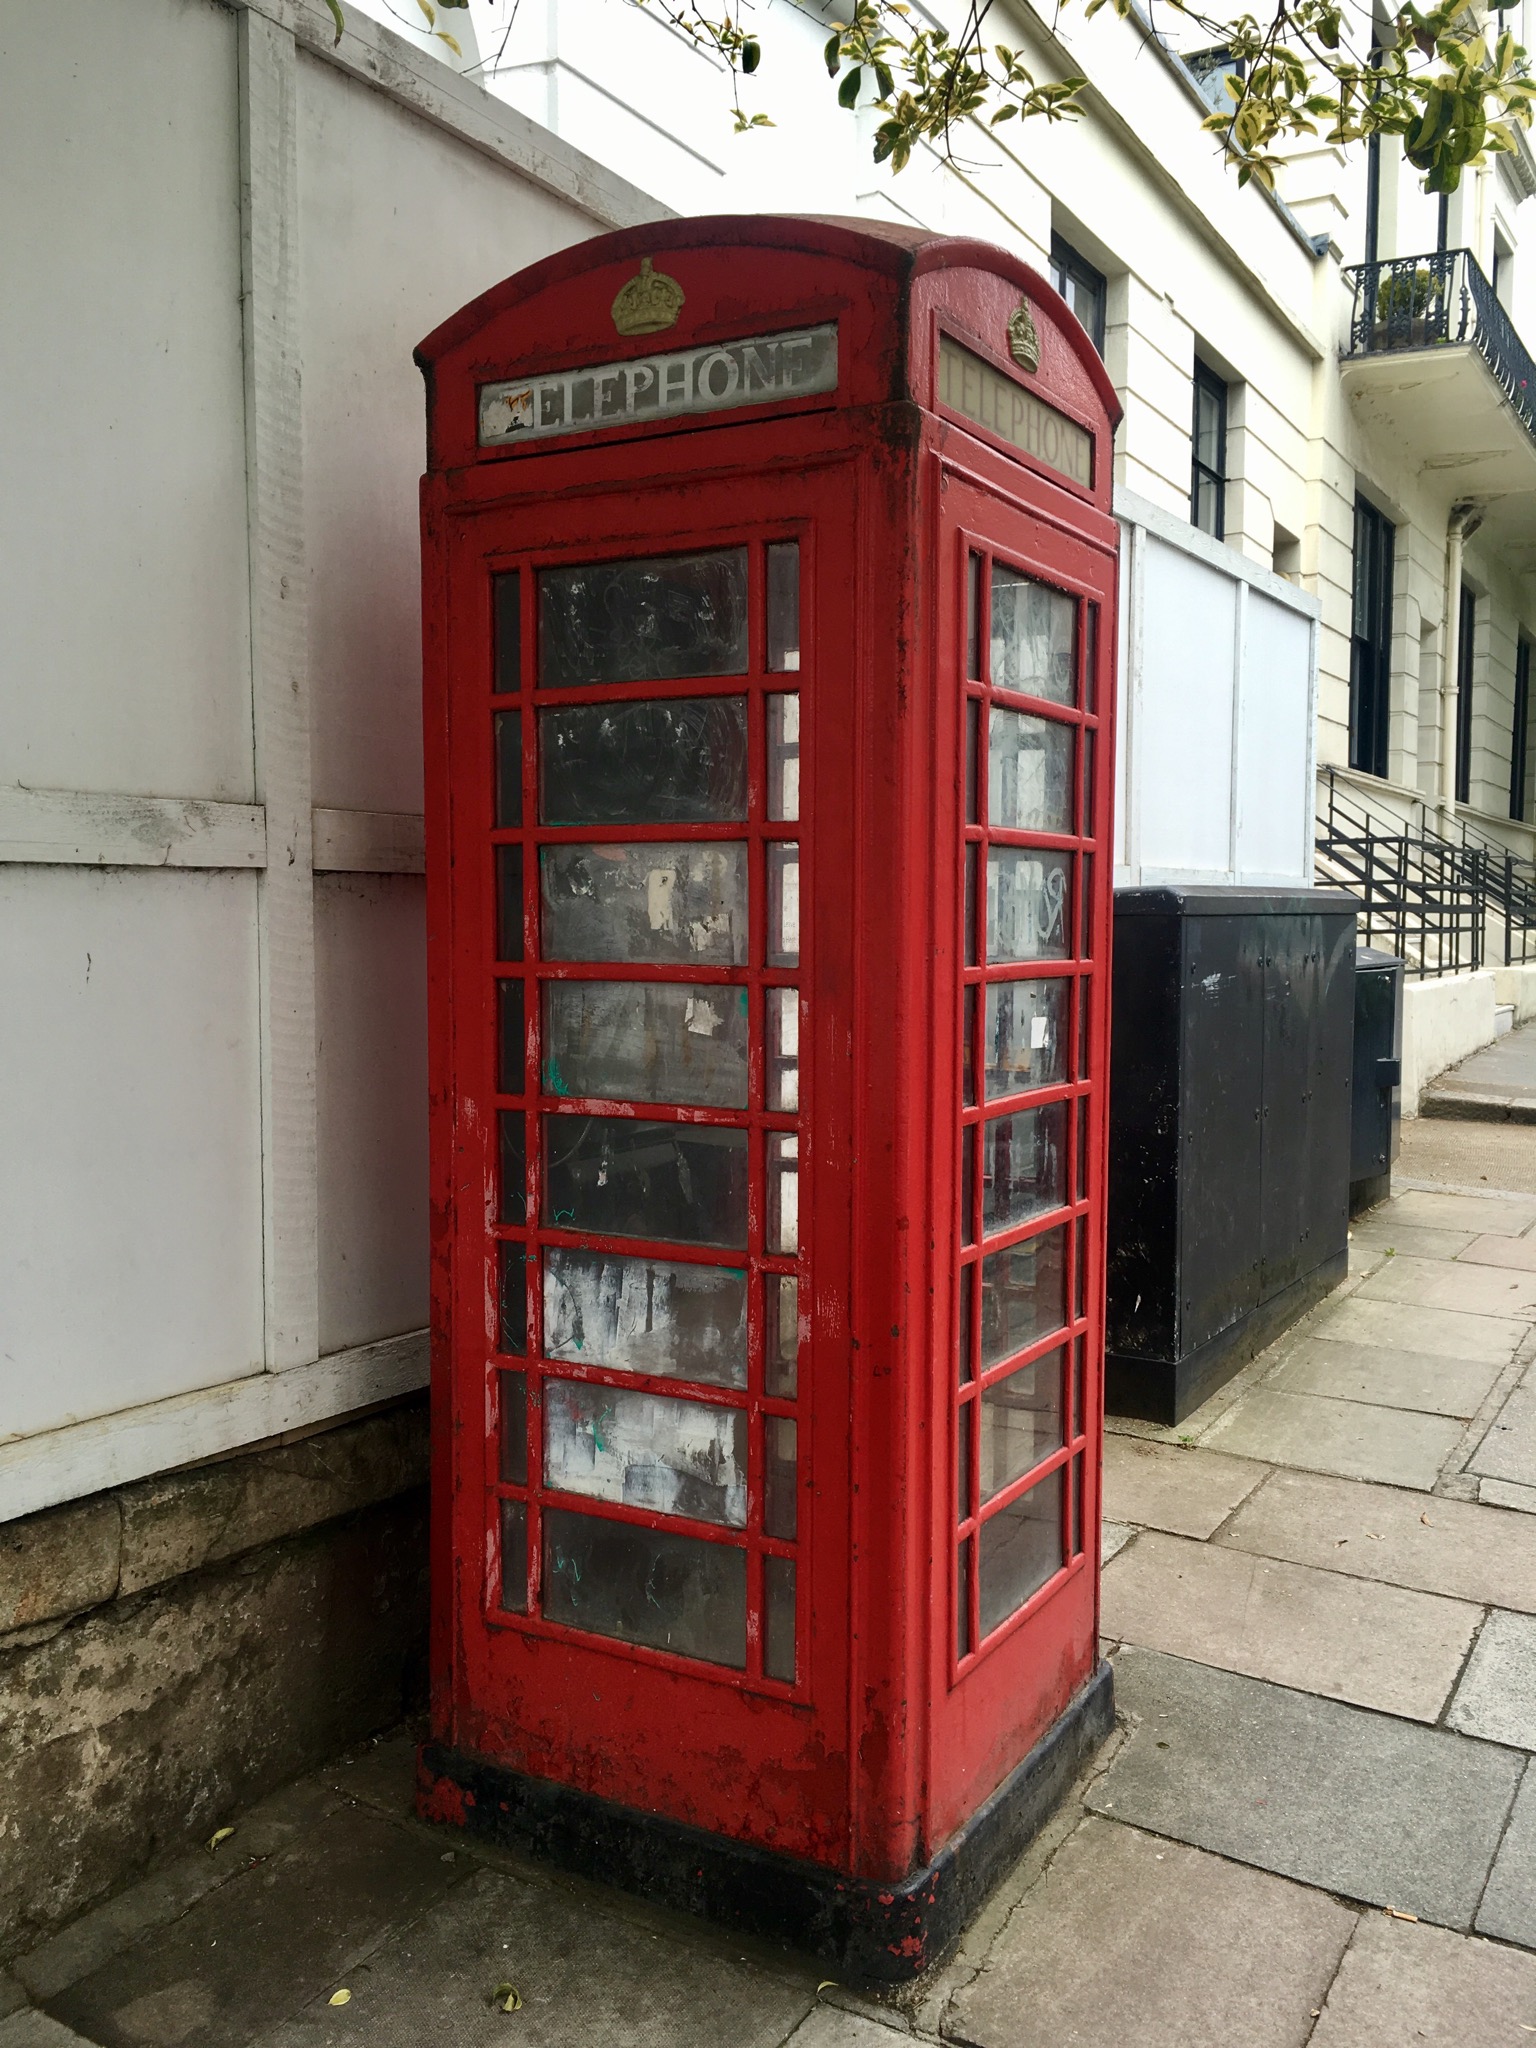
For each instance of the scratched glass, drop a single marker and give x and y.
(783, 605)
(511, 1299)
(514, 1557)
(783, 714)
(783, 904)
(658, 902)
(1032, 637)
(782, 1054)
(644, 1450)
(642, 621)
(642, 1315)
(1023, 1166)
(1027, 904)
(1029, 773)
(648, 1586)
(646, 1041)
(780, 1477)
(1026, 1041)
(1023, 1295)
(514, 1428)
(514, 1167)
(1021, 1420)
(509, 902)
(781, 1337)
(618, 1177)
(658, 761)
(779, 1618)
(1020, 1550)
(783, 1232)
(509, 1037)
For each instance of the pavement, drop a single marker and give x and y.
(1315, 1823)
(1495, 1085)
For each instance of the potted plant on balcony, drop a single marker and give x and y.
(1407, 309)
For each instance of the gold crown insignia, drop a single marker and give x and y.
(648, 302)
(1023, 341)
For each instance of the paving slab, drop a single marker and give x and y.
(1412, 1239)
(266, 1942)
(1504, 1493)
(587, 1978)
(1113, 1539)
(1508, 1910)
(1171, 1486)
(1492, 1214)
(829, 2026)
(1508, 1451)
(33, 2029)
(1466, 1158)
(1130, 1939)
(1401, 1984)
(1357, 1803)
(1496, 1698)
(1409, 1326)
(1516, 1253)
(11, 1994)
(1351, 1438)
(1346, 1638)
(1387, 1378)
(1458, 1548)
(1479, 1290)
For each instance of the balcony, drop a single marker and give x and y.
(1434, 366)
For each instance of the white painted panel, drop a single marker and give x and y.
(371, 1006)
(1274, 783)
(123, 568)
(401, 225)
(1183, 717)
(130, 1159)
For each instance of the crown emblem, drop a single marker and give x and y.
(1023, 341)
(648, 302)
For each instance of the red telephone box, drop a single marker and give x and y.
(770, 607)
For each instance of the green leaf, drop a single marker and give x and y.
(848, 91)
(832, 55)
(885, 84)
(751, 55)
(452, 41)
(338, 17)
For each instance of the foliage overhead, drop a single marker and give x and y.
(1434, 77)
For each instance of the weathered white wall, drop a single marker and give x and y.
(1443, 1021)
(221, 241)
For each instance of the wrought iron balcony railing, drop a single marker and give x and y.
(1418, 302)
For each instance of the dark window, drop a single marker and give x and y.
(1208, 447)
(1081, 286)
(1520, 736)
(1464, 641)
(1370, 658)
(1210, 69)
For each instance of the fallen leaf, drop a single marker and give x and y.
(507, 1998)
(1424, 1518)
(219, 1835)
(826, 1984)
(340, 1998)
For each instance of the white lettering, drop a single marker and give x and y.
(970, 386)
(721, 361)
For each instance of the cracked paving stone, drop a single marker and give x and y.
(1496, 1698)
(1356, 1802)
(1400, 1984)
(1165, 1486)
(1130, 1939)
(1508, 1910)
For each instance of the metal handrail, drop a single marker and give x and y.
(1432, 301)
(1443, 907)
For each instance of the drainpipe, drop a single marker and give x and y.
(1457, 527)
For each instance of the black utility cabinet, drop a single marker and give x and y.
(1376, 1131)
(1229, 1131)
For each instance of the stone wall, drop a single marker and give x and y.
(173, 1649)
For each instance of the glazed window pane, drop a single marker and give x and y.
(618, 1177)
(1031, 637)
(512, 1299)
(1023, 1166)
(782, 1053)
(1029, 773)
(1026, 1042)
(514, 1428)
(783, 1151)
(784, 605)
(509, 1037)
(779, 1477)
(663, 761)
(1027, 898)
(647, 1451)
(514, 1166)
(514, 1557)
(643, 1315)
(646, 1041)
(1020, 1422)
(1023, 1294)
(671, 1592)
(509, 768)
(783, 905)
(1020, 1550)
(631, 622)
(779, 1618)
(660, 903)
(783, 720)
(508, 633)
(781, 1337)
